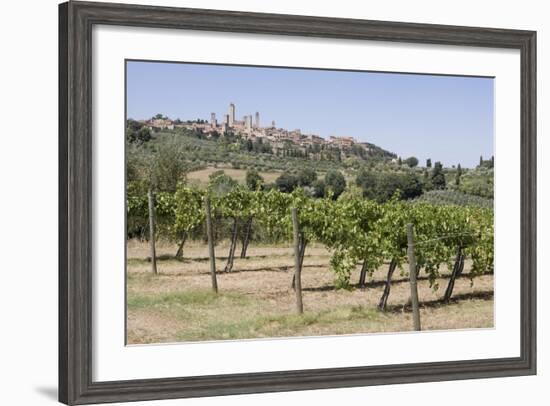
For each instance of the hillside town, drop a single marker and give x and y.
(250, 128)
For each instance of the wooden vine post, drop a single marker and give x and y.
(233, 246)
(151, 204)
(246, 239)
(297, 261)
(210, 236)
(387, 286)
(179, 252)
(412, 276)
(363, 275)
(457, 270)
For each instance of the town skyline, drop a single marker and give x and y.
(250, 128)
(411, 127)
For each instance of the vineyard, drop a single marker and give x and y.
(455, 197)
(364, 242)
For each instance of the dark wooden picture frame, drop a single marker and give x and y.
(76, 20)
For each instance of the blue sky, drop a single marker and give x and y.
(445, 118)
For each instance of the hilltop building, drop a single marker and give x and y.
(250, 128)
(342, 141)
(231, 114)
(160, 124)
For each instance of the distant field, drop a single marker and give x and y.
(256, 300)
(201, 176)
(454, 197)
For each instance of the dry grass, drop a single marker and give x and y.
(201, 176)
(255, 300)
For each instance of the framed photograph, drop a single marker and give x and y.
(259, 202)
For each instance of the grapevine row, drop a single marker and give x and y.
(354, 229)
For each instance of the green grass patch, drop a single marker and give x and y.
(280, 325)
(184, 299)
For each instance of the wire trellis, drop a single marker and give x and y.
(444, 237)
